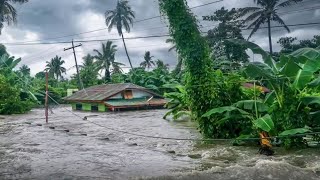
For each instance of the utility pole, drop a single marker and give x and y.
(46, 98)
(80, 85)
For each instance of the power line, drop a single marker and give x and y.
(139, 37)
(102, 29)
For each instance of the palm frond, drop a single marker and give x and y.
(280, 21)
(257, 23)
(246, 10)
(288, 3)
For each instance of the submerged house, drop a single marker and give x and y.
(115, 97)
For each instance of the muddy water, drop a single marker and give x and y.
(38, 152)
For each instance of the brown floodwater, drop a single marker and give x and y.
(88, 151)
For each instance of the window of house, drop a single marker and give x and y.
(78, 106)
(94, 108)
(127, 94)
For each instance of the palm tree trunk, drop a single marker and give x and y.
(107, 75)
(269, 33)
(125, 47)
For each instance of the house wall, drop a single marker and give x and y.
(140, 94)
(135, 93)
(73, 106)
(88, 107)
(102, 108)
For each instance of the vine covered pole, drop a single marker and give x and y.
(195, 51)
(46, 98)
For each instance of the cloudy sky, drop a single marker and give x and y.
(47, 20)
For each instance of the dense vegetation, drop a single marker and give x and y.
(214, 83)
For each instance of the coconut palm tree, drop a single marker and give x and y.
(55, 68)
(121, 18)
(265, 13)
(148, 62)
(88, 60)
(106, 59)
(170, 40)
(24, 70)
(177, 70)
(8, 14)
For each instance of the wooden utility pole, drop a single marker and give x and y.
(80, 85)
(46, 98)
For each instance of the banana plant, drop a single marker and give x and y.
(177, 103)
(255, 111)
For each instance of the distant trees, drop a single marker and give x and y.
(55, 67)
(89, 71)
(291, 44)
(24, 70)
(121, 18)
(265, 13)
(148, 62)
(106, 59)
(8, 14)
(227, 55)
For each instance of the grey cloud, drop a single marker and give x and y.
(51, 18)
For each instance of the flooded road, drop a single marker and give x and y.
(77, 149)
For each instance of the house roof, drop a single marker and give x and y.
(103, 92)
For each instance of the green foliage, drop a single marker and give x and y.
(106, 60)
(148, 62)
(290, 44)
(229, 27)
(121, 18)
(178, 103)
(8, 12)
(195, 51)
(293, 103)
(55, 68)
(265, 12)
(295, 131)
(265, 123)
(10, 102)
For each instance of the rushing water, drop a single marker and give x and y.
(38, 152)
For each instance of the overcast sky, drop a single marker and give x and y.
(44, 20)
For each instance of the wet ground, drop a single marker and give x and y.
(88, 151)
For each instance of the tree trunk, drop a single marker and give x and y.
(107, 76)
(195, 53)
(125, 47)
(269, 33)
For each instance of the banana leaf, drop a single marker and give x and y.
(295, 131)
(265, 123)
(315, 82)
(309, 61)
(250, 105)
(221, 110)
(310, 100)
(256, 50)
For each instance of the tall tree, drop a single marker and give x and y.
(89, 71)
(265, 13)
(148, 62)
(8, 14)
(55, 68)
(106, 59)
(121, 18)
(229, 27)
(195, 51)
(24, 70)
(178, 69)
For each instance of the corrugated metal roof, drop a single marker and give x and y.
(102, 92)
(135, 102)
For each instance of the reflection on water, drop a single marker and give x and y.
(37, 152)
